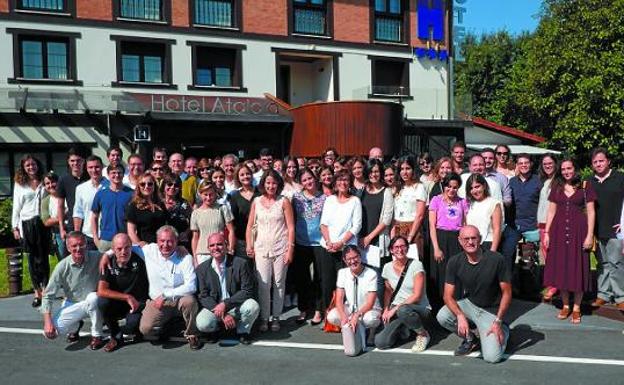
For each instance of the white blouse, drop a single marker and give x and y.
(26, 204)
(342, 217)
(405, 202)
(480, 216)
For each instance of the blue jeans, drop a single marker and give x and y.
(491, 350)
(509, 245)
(61, 250)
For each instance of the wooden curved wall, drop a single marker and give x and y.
(352, 127)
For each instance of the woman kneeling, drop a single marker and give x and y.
(357, 307)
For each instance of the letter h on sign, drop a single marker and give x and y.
(431, 19)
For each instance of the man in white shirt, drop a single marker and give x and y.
(85, 192)
(266, 163)
(172, 285)
(229, 163)
(357, 306)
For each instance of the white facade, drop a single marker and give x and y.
(96, 61)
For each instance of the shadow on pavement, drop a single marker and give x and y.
(522, 337)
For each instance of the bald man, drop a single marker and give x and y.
(227, 288)
(376, 153)
(485, 280)
(123, 291)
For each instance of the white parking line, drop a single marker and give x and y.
(430, 352)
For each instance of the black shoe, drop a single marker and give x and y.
(194, 342)
(36, 302)
(75, 336)
(212, 338)
(370, 339)
(245, 338)
(467, 347)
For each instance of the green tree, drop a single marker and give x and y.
(573, 77)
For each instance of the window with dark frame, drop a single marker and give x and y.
(143, 62)
(215, 13)
(217, 66)
(389, 22)
(390, 77)
(150, 10)
(44, 58)
(310, 17)
(42, 5)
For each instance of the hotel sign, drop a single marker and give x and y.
(430, 21)
(213, 105)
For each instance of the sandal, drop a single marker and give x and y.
(564, 313)
(301, 319)
(316, 321)
(576, 317)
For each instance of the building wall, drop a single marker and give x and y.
(94, 9)
(265, 17)
(352, 20)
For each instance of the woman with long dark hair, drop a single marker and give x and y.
(178, 209)
(569, 237)
(326, 178)
(504, 161)
(442, 168)
(447, 214)
(240, 205)
(49, 207)
(27, 224)
(547, 170)
(484, 212)
(308, 207)
(410, 204)
(291, 177)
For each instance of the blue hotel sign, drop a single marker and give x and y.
(430, 15)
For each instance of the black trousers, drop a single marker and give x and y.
(328, 265)
(36, 242)
(308, 285)
(114, 310)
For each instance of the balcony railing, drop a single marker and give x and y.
(388, 29)
(141, 9)
(309, 21)
(214, 13)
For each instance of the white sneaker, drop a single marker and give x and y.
(422, 340)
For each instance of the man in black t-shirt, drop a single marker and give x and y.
(486, 295)
(122, 290)
(66, 188)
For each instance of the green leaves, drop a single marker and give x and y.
(565, 81)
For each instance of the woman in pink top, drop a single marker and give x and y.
(271, 219)
(447, 214)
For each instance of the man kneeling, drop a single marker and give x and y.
(227, 286)
(78, 277)
(483, 277)
(357, 307)
(123, 291)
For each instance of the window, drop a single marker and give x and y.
(43, 57)
(216, 13)
(42, 5)
(217, 66)
(390, 25)
(142, 10)
(143, 62)
(310, 17)
(390, 77)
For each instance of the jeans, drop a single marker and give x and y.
(67, 318)
(408, 317)
(354, 342)
(509, 245)
(610, 270)
(245, 317)
(491, 350)
(59, 243)
(113, 310)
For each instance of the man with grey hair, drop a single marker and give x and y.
(228, 164)
(78, 277)
(376, 153)
(172, 285)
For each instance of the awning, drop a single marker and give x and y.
(68, 101)
(516, 149)
(51, 134)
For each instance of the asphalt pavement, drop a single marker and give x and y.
(541, 350)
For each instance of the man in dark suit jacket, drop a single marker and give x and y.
(227, 287)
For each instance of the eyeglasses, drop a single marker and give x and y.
(170, 184)
(204, 169)
(216, 244)
(399, 247)
(502, 153)
(157, 169)
(146, 184)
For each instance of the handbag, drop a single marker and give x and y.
(329, 327)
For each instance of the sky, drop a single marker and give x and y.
(484, 16)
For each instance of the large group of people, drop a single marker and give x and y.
(379, 251)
